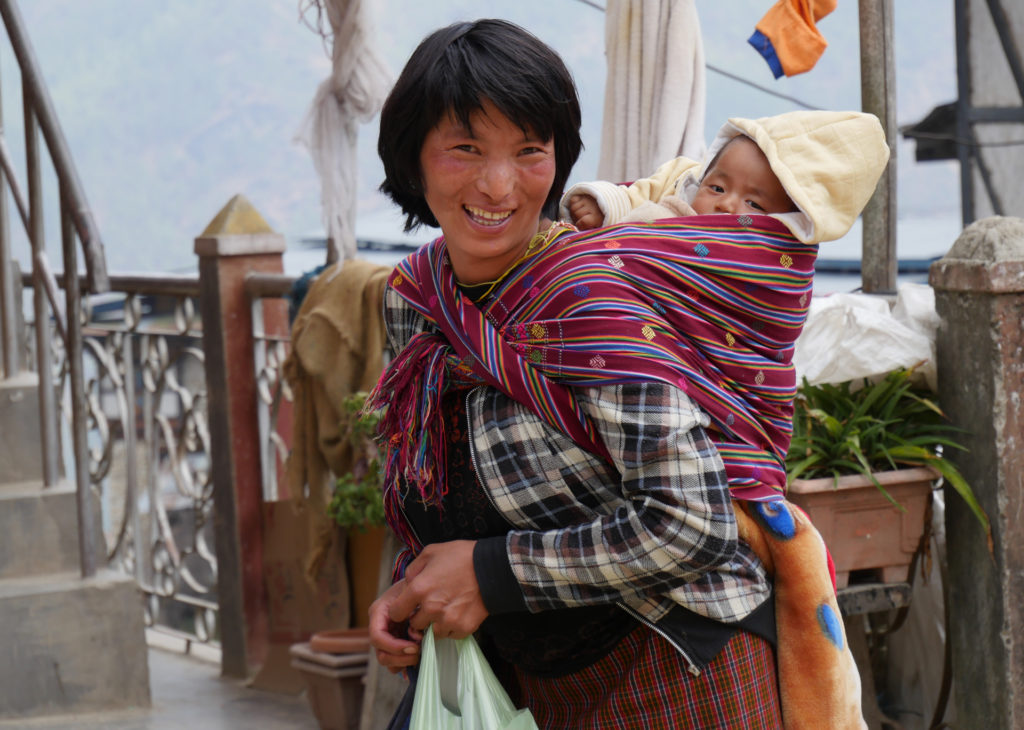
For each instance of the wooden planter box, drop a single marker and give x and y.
(862, 529)
(333, 665)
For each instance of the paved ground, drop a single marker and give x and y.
(188, 693)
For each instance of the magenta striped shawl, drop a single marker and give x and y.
(712, 304)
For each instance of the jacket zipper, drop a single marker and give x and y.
(691, 666)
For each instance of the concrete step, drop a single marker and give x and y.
(72, 645)
(39, 530)
(24, 485)
(21, 455)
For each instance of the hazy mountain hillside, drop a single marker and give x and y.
(172, 108)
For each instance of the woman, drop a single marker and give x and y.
(545, 463)
(611, 585)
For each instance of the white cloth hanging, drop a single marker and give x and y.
(654, 99)
(354, 92)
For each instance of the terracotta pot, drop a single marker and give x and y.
(863, 530)
(364, 549)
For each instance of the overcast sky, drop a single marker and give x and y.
(170, 109)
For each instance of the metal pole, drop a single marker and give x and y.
(44, 358)
(86, 524)
(37, 97)
(7, 168)
(131, 450)
(10, 306)
(879, 262)
(964, 152)
(1003, 27)
(264, 424)
(144, 545)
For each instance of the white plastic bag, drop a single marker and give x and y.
(457, 690)
(854, 336)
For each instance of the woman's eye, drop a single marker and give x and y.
(465, 148)
(531, 151)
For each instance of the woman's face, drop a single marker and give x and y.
(486, 185)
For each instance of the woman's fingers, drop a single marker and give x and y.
(396, 663)
(441, 589)
(387, 637)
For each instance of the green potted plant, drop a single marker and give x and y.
(358, 506)
(862, 463)
(334, 661)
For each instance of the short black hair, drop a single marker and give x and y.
(452, 72)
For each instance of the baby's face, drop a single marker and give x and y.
(741, 182)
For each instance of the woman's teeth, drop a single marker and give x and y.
(486, 217)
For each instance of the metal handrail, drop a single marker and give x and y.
(75, 218)
(185, 285)
(72, 193)
(12, 181)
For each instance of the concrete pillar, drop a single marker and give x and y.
(237, 242)
(979, 294)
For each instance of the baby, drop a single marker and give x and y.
(739, 180)
(814, 170)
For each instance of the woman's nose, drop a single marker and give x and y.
(497, 179)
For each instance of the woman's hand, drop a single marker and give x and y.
(440, 588)
(386, 636)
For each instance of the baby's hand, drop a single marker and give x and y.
(585, 212)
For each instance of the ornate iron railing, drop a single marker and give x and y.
(275, 397)
(149, 441)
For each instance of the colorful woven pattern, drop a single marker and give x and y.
(711, 304)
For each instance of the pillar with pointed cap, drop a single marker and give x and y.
(237, 242)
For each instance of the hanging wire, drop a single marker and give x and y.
(765, 89)
(732, 76)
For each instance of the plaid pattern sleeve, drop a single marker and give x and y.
(658, 523)
(401, 322)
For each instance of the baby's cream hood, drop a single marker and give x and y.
(829, 163)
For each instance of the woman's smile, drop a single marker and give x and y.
(486, 183)
(486, 217)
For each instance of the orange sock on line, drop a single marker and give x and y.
(788, 38)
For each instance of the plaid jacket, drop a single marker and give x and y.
(653, 530)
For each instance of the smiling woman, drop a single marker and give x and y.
(534, 91)
(584, 534)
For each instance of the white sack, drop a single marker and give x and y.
(849, 336)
